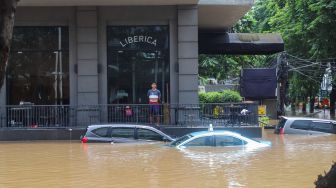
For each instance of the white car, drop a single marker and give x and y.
(217, 139)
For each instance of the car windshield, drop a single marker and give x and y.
(181, 139)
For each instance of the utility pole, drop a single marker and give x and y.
(282, 79)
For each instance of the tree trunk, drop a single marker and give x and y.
(7, 13)
(311, 104)
(304, 109)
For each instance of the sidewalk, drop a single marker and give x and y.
(318, 113)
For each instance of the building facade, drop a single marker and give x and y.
(81, 52)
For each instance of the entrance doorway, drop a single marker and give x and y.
(137, 57)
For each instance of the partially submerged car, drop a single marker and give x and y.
(303, 125)
(120, 133)
(217, 138)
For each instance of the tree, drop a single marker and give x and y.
(224, 67)
(7, 13)
(307, 27)
(328, 180)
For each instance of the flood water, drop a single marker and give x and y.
(292, 161)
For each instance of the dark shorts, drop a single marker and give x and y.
(154, 109)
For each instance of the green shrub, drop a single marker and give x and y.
(202, 97)
(263, 121)
(220, 97)
(231, 96)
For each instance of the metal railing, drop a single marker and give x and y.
(185, 115)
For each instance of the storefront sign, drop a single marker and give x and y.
(138, 39)
(262, 110)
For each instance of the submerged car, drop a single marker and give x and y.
(216, 139)
(302, 125)
(123, 134)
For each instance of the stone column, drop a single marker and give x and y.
(188, 54)
(87, 56)
(187, 58)
(87, 65)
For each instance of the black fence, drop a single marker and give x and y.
(185, 115)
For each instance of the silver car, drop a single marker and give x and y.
(217, 138)
(119, 133)
(302, 125)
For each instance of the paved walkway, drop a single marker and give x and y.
(318, 113)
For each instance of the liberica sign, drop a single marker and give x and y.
(138, 39)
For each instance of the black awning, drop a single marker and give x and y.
(240, 43)
(258, 83)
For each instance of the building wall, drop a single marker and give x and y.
(88, 45)
(271, 107)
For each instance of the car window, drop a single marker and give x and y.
(145, 134)
(228, 141)
(123, 132)
(301, 124)
(103, 132)
(202, 141)
(322, 126)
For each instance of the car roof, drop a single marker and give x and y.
(116, 125)
(123, 125)
(90, 127)
(307, 118)
(200, 133)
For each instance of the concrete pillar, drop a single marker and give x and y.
(188, 54)
(87, 56)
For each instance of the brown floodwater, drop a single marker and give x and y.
(292, 161)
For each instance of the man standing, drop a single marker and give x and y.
(154, 97)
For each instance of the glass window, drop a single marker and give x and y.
(322, 126)
(103, 132)
(301, 124)
(137, 56)
(145, 134)
(202, 141)
(38, 70)
(229, 141)
(123, 132)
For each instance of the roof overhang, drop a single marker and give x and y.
(221, 14)
(105, 2)
(240, 43)
(213, 14)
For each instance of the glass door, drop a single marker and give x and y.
(137, 57)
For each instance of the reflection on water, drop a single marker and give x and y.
(291, 161)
